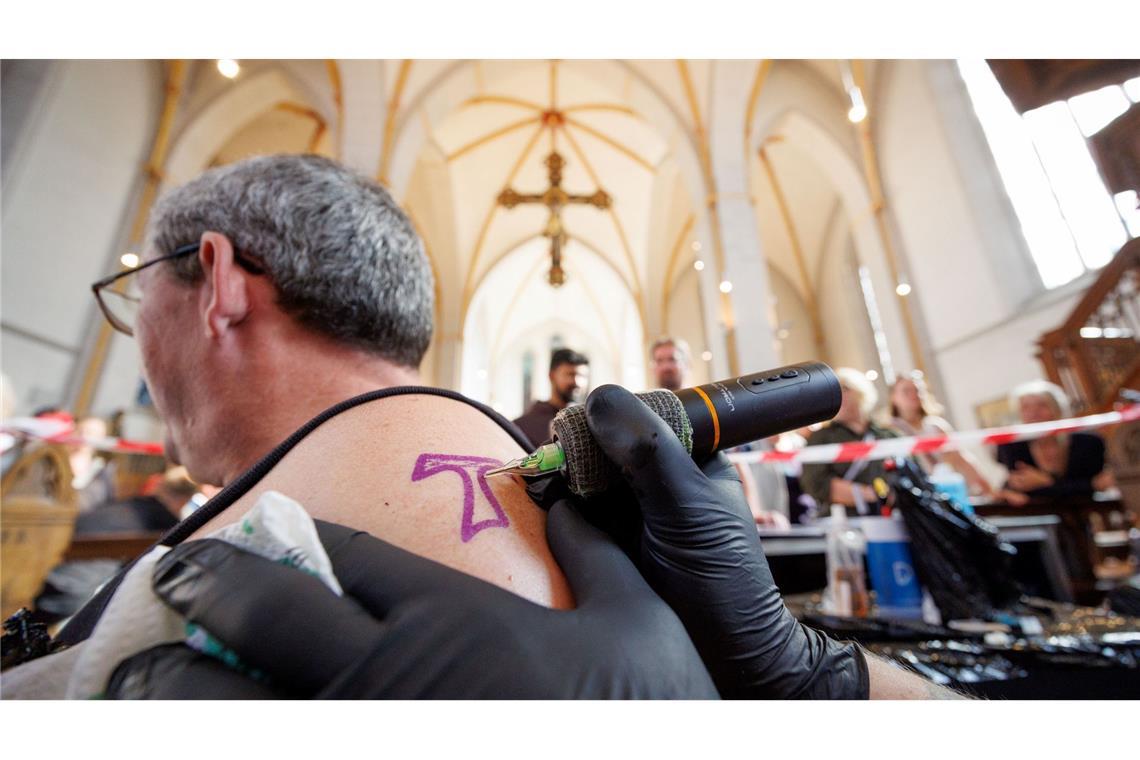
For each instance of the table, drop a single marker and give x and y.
(118, 546)
(1077, 535)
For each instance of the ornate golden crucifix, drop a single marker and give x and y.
(555, 198)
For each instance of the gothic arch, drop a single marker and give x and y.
(813, 140)
(501, 333)
(212, 126)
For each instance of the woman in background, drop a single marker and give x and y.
(848, 483)
(1054, 467)
(914, 411)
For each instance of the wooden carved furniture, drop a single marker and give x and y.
(1033, 83)
(37, 518)
(1095, 355)
(1096, 352)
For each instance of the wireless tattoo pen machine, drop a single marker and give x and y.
(706, 419)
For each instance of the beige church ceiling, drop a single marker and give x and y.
(287, 128)
(634, 129)
(503, 135)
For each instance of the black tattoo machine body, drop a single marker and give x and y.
(706, 418)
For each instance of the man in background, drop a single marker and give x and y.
(569, 379)
(670, 360)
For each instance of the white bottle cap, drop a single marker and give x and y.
(838, 512)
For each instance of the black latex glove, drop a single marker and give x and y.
(698, 547)
(408, 627)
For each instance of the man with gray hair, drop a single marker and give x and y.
(320, 267)
(282, 309)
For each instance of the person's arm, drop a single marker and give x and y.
(1104, 480)
(890, 681)
(751, 491)
(1010, 456)
(701, 553)
(1085, 463)
(960, 461)
(767, 517)
(842, 492)
(1013, 498)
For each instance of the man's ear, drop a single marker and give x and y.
(227, 285)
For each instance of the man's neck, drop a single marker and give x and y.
(289, 389)
(558, 403)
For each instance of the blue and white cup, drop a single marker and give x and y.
(891, 569)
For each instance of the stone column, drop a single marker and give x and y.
(733, 221)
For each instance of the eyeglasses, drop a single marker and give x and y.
(118, 295)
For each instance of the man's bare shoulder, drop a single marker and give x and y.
(410, 470)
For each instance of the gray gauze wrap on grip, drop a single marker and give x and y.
(588, 471)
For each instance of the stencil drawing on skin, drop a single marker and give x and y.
(469, 469)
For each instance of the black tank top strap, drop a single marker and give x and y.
(81, 624)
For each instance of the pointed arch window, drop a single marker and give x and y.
(1070, 222)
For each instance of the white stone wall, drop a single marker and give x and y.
(982, 304)
(68, 197)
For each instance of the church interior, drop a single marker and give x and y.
(970, 223)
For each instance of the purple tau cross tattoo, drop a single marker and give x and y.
(464, 466)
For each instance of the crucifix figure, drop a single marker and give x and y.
(555, 198)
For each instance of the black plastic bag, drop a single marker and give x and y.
(959, 558)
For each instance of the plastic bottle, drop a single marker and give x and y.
(846, 592)
(952, 485)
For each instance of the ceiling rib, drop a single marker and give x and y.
(390, 120)
(333, 69)
(467, 290)
(613, 214)
(727, 312)
(669, 270)
(491, 136)
(496, 345)
(623, 149)
(604, 107)
(797, 251)
(479, 100)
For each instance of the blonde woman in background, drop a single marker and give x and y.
(915, 411)
(848, 483)
(1053, 468)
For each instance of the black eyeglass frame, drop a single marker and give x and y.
(185, 250)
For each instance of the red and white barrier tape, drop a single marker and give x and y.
(886, 448)
(57, 431)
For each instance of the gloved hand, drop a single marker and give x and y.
(699, 549)
(409, 627)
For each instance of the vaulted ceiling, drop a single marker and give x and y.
(449, 136)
